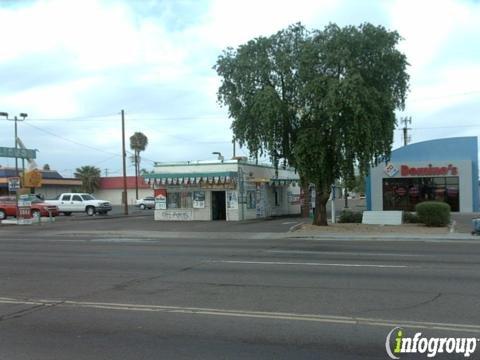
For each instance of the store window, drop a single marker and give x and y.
(405, 193)
(251, 200)
(277, 193)
(179, 200)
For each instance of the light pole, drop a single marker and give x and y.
(15, 119)
(23, 116)
(219, 155)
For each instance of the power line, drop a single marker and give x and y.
(446, 127)
(76, 118)
(109, 158)
(214, 117)
(141, 156)
(446, 96)
(70, 140)
(441, 127)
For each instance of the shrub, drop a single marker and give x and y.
(347, 216)
(433, 213)
(410, 218)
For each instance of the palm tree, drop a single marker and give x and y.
(138, 143)
(90, 176)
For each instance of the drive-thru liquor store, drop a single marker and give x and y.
(223, 190)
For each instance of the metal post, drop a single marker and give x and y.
(124, 156)
(136, 173)
(16, 147)
(16, 170)
(241, 185)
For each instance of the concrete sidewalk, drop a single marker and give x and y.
(386, 237)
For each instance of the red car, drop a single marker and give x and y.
(38, 208)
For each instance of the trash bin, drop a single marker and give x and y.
(476, 226)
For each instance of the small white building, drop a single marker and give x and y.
(223, 190)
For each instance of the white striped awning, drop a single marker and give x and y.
(217, 178)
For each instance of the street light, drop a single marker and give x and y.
(219, 154)
(23, 116)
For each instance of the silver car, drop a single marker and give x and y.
(147, 202)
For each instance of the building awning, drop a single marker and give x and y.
(281, 182)
(216, 178)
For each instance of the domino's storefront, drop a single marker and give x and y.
(439, 170)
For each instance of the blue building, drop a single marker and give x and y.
(442, 170)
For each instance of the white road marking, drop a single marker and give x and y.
(289, 222)
(344, 253)
(304, 264)
(249, 314)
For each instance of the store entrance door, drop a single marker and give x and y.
(219, 211)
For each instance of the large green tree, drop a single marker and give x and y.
(90, 177)
(261, 88)
(329, 107)
(138, 143)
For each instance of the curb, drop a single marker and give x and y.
(389, 237)
(103, 217)
(296, 227)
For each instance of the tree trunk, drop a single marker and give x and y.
(305, 200)
(321, 199)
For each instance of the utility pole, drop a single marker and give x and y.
(137, 170)
(405, 121)
(124, 157)
(106, 172)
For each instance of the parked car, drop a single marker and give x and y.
(38, 207)
(147, 202)
(69, 203)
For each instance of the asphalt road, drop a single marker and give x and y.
(106, 297)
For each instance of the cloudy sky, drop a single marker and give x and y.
(73, 65)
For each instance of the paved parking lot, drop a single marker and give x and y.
(143, 221)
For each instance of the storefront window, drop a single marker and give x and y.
(179, 200)
(278, 194)
(405, 193)
(251, 200)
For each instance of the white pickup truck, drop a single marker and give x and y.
(69, 203)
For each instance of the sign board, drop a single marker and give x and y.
(32, 179)
(390, 170)
(174, 215)
(199, 199)
(17, 153)
(13, 184)
(232, 200)
(161, 199)
(24, 202)
(382, 217)
(429, 170)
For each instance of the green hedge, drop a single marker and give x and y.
(347, 216)
(433, 213)
(410, 218)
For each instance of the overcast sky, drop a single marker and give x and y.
(73, 65)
